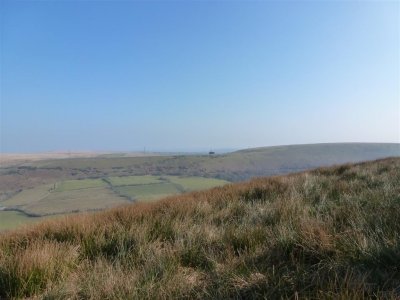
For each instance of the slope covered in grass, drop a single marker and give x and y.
(328, 233)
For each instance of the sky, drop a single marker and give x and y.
(197, 75)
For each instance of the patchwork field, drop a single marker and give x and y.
(75, 201)
(71, 196)
(28, 196)
(148, 188)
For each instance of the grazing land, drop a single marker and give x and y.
(148, 188)
(13, 219)
(327, 233)
(133, 180)
(71, 196)
(29, 196)
(191, 184)
(148, 192)
(75, 201)
(16, 219)
(70, 185)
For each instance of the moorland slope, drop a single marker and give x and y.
(326, 233)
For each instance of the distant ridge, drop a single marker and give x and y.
(235, 166)
(263, 161)
(374, 147)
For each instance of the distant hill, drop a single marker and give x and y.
(265, 161)
(330, 233)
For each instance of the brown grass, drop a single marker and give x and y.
(329, 233)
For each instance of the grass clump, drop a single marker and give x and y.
(327, 233)
(29, 270)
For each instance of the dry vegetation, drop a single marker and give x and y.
(328, 233)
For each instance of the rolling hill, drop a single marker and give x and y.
(235, 166)
(326, 233)
(265, 161)
(30, 187)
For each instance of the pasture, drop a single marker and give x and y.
(133, 180)
(190, 184)
(77, 200)
(148, 192)
(72, 196)
(28, 196)
(69, 185)
(13, 219)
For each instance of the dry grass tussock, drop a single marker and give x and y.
(329, 233)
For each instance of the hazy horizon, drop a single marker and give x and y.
(183, 150)
(197, 76)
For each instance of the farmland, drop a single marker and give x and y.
(12, 219)
(156, 187)
(70, 185)
(71, 196)
(147, 192)
(39, 186)
(133, 180)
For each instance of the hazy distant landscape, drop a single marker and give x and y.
(52, 186)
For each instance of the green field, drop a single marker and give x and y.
(92, 194)
(148, 191)
(190, 184)
(13, 219)
(28, 196)
(133, 180)
(69, 185)
(153, 187)
(71, 196)
(76, 201)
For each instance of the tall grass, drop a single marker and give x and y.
(329, 233)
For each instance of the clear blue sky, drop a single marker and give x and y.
(121, 75)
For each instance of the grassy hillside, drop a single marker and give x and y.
(328, 233)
